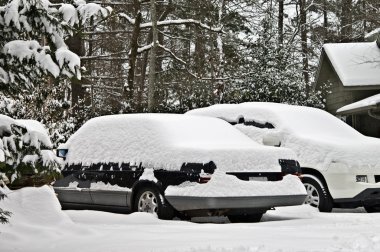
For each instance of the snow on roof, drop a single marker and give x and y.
(317, 137)
(365, 104)
(357, 64)
(167, 141)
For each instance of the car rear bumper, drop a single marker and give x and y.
(187, 203)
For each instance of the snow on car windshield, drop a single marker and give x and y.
(305, 121)
(168, 141)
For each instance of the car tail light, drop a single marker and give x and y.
(290, 167)
(204, 178)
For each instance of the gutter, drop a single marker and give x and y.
(371, 110)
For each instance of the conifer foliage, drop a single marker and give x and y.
(32, 40)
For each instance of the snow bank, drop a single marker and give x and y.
(222, 185)
(38, 225)
(317, 137)
(355, 63)
(33, 207)
(367, 103)
(167, 141)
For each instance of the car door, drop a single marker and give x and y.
(114, 186)
(74, 188)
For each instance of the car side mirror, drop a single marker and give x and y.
(272, 140)
(62, 153)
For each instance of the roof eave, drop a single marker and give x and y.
(361, 110)
(361, 87)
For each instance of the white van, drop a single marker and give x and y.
(340, 166)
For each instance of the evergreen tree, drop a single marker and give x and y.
(36, 63)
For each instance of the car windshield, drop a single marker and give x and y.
(313, 122)
(297, 120)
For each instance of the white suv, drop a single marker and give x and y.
(340, 166)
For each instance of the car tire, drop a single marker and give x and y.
(149, 200)
(317, 194)
(372, 209)
(245, 218)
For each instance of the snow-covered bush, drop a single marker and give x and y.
(4, 215)
(26, 157)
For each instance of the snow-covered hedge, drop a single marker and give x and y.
(26, 157)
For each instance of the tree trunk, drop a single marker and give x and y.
(325, 21)
(280, 22)
(346, 21)
(132, 58)
(152, 58)
(304, 50)
(219, 41)
(75, 45)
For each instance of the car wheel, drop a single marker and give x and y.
(246, 218)
(317, 195)
(372, 209)
(149, 200)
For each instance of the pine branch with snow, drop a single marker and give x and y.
(32, 40)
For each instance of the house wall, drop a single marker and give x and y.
(367, 125)
(339, 96)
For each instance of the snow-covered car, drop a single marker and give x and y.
(168, 164)
(340, 166)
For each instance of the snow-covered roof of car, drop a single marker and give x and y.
(299, 120)
(167, 141)
(355, 63)
(371, 102)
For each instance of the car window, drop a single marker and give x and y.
(251, 122)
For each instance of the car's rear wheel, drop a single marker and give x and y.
(245, 218)
(372, 209)
(149, 200)
(317, 195)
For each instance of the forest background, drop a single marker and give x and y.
(173, 55)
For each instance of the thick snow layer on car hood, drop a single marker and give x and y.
(167, 141)
(222, 185)
(316, 136)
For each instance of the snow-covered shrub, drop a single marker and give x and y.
(4, 215)
(26, 157)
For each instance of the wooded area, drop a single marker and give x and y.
(172, 56)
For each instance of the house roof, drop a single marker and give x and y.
(356, 64)
(372, 102)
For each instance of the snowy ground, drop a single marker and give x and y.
(38, 224)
